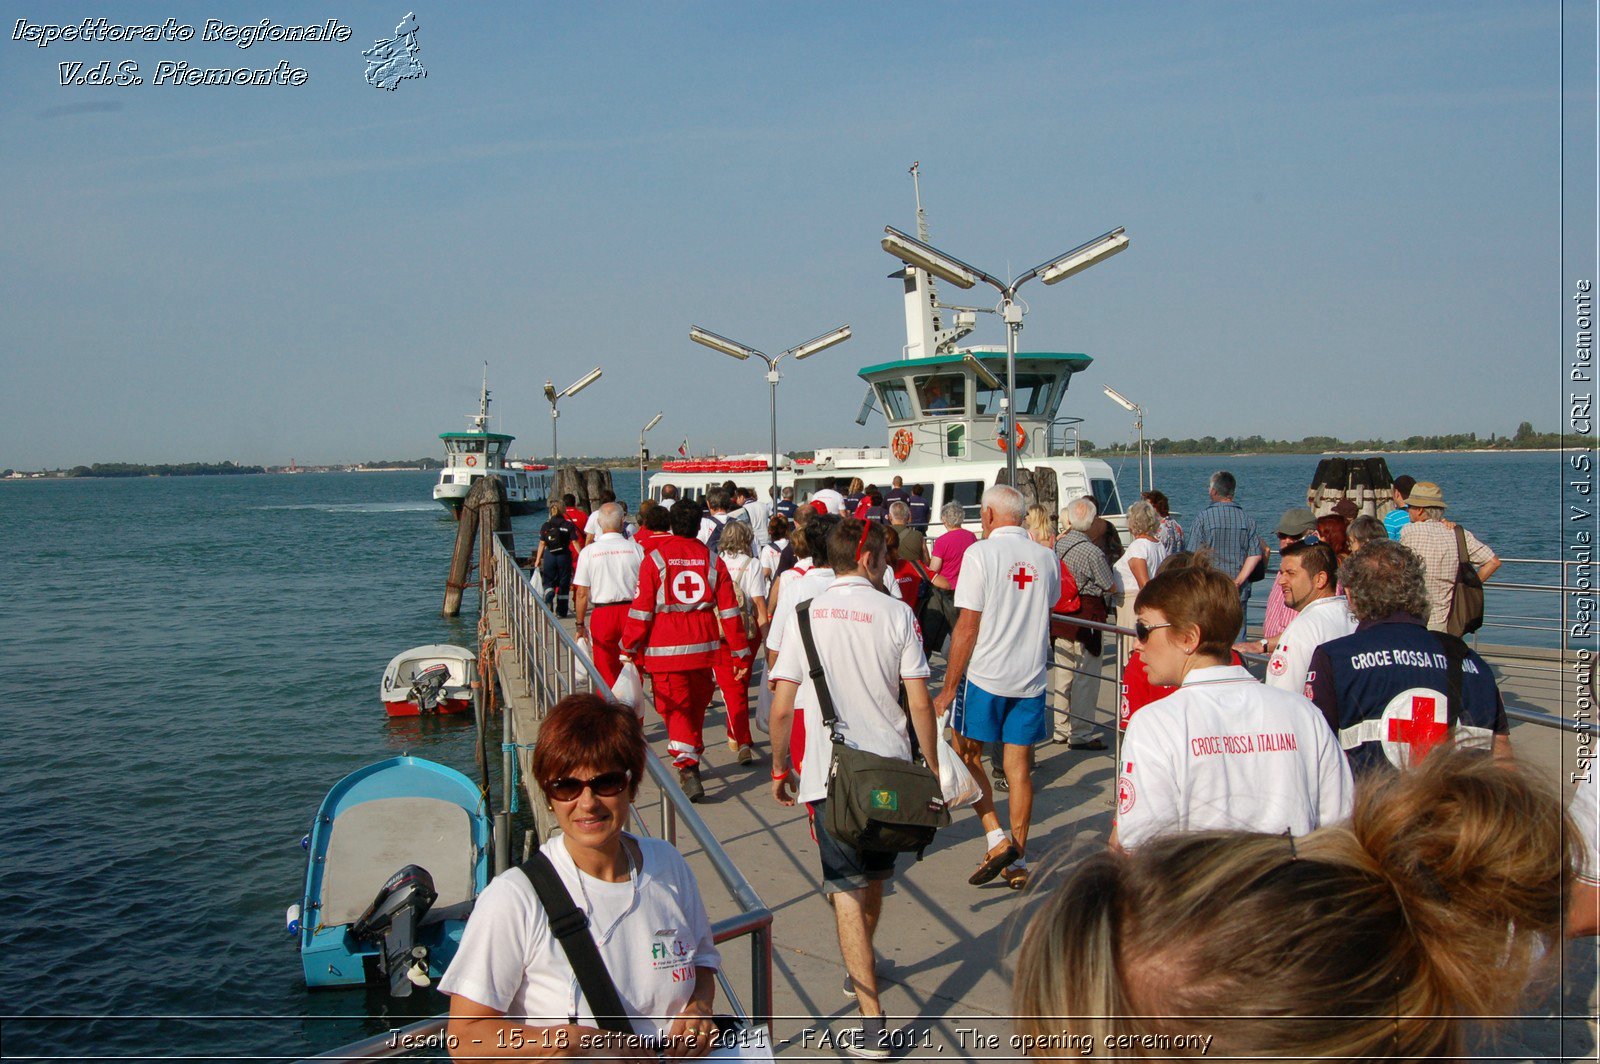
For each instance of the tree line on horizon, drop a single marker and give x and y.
(1524, 439)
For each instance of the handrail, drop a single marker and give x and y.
(552, 663)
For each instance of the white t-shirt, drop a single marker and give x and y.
(770, 555)
(1225, 752)
(1319, 622)
(1150, 551)
(666, 504)
(708, 525)
(829, 498)
(746, 573)
(1014, 581)
(758, 514)
(868, 643)
(1585, 810)
(809, 584)
(652, 932)
(609, 568)
(591, 527)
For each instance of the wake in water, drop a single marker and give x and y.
(361, 507)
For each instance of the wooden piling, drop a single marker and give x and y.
(486, 504)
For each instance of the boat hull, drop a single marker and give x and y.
(407, 708)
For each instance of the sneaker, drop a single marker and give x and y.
(689, 780)
(849, 987)
(870, 1041)
(1000, 781)
(1096, 743)
(747, 755)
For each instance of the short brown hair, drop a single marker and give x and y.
(846, 545)
(1197, 597)
(1315, 558)
(587, 730)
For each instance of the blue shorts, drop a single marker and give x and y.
(843, 869)
(989, 718)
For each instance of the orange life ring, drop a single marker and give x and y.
(471, 461)
(902, 445)
(1022, 439)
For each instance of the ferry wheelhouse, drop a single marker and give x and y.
(944, 407)
(480, 453)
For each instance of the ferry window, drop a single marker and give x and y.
(474, 446)
(1105, 496)
(955, 441)
(495, 447)
(895, 400)
(1038, 395)
(969, 493)
(942, 393)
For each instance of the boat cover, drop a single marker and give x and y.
(370, 842)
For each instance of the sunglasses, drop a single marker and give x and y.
(605, 785)
(1141, 631)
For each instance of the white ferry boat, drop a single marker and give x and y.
(479, 453)
(943, 404)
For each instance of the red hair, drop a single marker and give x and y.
(1331, 530)
(584, 730)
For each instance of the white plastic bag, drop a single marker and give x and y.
(629, 688)
(955, 779)
(762, 720)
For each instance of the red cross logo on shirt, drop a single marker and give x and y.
(1022, 578)
(1415, 721)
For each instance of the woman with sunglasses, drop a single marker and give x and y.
(1223, 751)
(513, 991)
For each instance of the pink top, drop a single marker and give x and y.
(1278, 614)
(949, 549)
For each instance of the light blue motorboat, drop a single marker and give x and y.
(397, 855)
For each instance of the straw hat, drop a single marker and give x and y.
(1426, 493)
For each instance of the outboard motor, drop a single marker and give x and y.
(391, 922)
(427, 687)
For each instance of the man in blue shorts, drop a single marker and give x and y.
(996, 677)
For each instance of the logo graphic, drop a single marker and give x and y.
(688, 586)
(889, 801)
(1414, 722)
(1125, 795)
(391, 62)
(1277, 665)
(1022, 576)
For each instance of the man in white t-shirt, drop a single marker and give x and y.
(1222, 751)
(995, 680)
(814, 578)
(756, 513)
(1308, 573)
(868, 645)
(832, 501)
(591, 527)
(604, 583)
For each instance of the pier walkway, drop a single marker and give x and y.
(947, 948)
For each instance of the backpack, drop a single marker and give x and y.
(1070, 601)
(716, 533)
(747, 609)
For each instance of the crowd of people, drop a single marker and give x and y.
(1360, 804)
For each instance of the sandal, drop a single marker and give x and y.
(996, 859)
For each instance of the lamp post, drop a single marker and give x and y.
(551, 394)
(642, 453)
(1138, 422)
(916, 254)
(734, 349)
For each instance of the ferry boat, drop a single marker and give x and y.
(479, 453)
(943, 404)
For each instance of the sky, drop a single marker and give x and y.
(1345, 219)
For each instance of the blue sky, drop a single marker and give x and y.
(1344, 220)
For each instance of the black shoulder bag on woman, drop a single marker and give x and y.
(874, 802)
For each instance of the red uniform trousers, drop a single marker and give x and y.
(735, 695)
(605, 635)
(681, 699)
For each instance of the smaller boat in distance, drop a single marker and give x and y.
(396, 858)
(436, 678)
(478, 453)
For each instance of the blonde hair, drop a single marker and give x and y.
(1040, 524)
(736, 538)
(1363, 941)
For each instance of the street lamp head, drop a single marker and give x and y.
(653, 422)
(1121, 400)
(914, 252)
(587, 379)
(821, 343)
(980, 370)
(728, 347)
(550, 391)
(1083, 256)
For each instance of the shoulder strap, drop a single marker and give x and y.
(570, 925)
(1461, 545)
(819, 681)
(1455, 649)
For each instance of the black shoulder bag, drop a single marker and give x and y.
(874, 802)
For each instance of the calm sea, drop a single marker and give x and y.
(191, 663)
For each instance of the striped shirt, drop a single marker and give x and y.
(1228, 532)
(1441, 558)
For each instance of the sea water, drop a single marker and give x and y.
(192, 662)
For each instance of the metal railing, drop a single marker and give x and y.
(540, 653)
